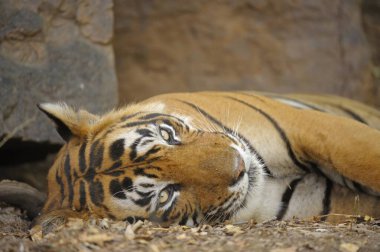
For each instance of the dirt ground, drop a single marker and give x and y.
(107, 235)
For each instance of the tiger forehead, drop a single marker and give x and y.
(136, 132)
(134, 120)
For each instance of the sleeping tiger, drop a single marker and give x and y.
(211, 157)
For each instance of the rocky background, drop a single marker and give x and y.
(100, 53)
(328, 46)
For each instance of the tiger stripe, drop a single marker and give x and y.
(82, 157)
(82, 195)
(327, 199)
(286, 197)
(352, 114)
(280, 131)
(67, 170)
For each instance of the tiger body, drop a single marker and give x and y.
(208, 157)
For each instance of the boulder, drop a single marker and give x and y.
(280, 46)
(53, 51)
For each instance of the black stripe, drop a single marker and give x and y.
(155, 115)
(147, 154)
(133, 152)
(183, 220)
(358, 187)
(134, 219)
(286, 197)
(230, 131)
(61, 186)
(141, 172)
(279, 130)
(143, 194)
(137, 123)
(99, 157)
(114, 166)
(146, 185)
(254, 96)
(114, 173)
(93, 152)
(212, 208)
(194, 217)
(96, 193)
(165, 215)
(126, 117)
(90, 173)
(82, 157)
(315, 169)
(327, 199)
(116, 189)
(143, 201)
(117, 149)
(82, 195)
(67, 169)
(144, 132)
(352, 114)
(230, 204)
(127, 184)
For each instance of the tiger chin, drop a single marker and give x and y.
(211, 157)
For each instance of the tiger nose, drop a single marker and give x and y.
(239, 171)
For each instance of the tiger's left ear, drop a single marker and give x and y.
(69, 123)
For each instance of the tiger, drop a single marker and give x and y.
(216, 157)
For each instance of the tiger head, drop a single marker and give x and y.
(143, 163)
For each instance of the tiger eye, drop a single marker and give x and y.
(164, 196)
(165, 134)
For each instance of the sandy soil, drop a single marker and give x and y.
(107, 235)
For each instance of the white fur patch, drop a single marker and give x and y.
(292, 103)
(186, 119)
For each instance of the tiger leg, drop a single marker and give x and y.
(345, 150)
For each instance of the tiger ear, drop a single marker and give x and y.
(69, 123)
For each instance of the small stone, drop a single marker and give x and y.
(129, 233)
(348, 247)
(104, 223)
(182, 237)
(137, 225)
(289, 249)
(321, 230)
(96, 238)
(232, 230)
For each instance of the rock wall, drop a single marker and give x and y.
(53, 51)
(371, 26)
(282, 46)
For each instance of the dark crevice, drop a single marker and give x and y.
(27, 161)
(15, 151)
